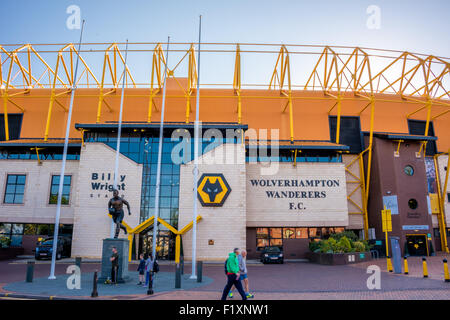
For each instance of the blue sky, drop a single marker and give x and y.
(417, 26)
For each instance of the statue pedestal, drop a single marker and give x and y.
(122, 246)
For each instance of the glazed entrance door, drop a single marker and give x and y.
(165, 244)
(417, 245)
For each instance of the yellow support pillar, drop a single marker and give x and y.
(130, 245)
(369, 158)
(177, 248)
(49, 115)
(441, 216)
(364, 199)
(188, 107)
(338, 125)
(291, 118)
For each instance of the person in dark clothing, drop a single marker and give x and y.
(233, 277)
(141, 269)
(114, 265)
(115, 207)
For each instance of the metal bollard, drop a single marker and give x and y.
(446, 275)
(78, 262)
(389, 264)
(425, 268)
(30, 271)
(182, 264)
(177, 276)
(150, 284)
(94, 293)
(199, 271)
(405, 261)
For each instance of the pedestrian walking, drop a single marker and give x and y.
(242, 260)
(141, 269)
(149, 262)
(243, 271)
(114, 265)
(233, 276)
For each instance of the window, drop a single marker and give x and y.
(55, 187)
(301, 233)
(13, 232)
(350, 132)
(412, 203)
(409, 170)
(15, 188)
(14, 126)
(418, 127)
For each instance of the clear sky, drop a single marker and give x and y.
(413, 25)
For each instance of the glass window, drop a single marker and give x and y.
(301, 233)
(412, 204)
(5, 228)
(275, 233)
(276, 242)
(55, 187)
(262, 233)
(30, 229)
(409, 170)
(262, 243)
(15, 188)
(17, 228)
(289, 233)
(314, 232)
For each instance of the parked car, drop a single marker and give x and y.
(272, 254)
(44, 248)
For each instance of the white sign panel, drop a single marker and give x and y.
(310, 194)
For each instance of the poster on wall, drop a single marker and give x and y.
(391, 203)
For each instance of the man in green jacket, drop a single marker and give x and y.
(232, 270)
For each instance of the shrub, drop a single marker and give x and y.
(359, 246)
(350, 235)
(314, 246)
(344, 245)
(342, 242)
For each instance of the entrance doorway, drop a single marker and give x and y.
(417, 245)
(165, 244)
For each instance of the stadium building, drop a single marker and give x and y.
(325, 140)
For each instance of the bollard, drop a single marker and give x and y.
(78, 262)
(405, 261)
(177, 276)
(150, 284)
(30, 271)
(425, 268)
(94, 293)
(182, 264)
(389, 264)
(199, 271)
(446, 275)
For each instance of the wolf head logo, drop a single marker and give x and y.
(212, 189)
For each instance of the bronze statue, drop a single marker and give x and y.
(115, 207)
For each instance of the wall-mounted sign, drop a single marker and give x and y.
(308, 194)
(417, 227)
(212, 190)
(391, 203)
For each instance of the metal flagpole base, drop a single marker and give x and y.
(193, 277)
(52, 278)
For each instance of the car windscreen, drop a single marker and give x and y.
(272, 249)
(47, 243)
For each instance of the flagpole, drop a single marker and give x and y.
(119, 130)
(63, 165)
(158, 168)
(196, 137)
